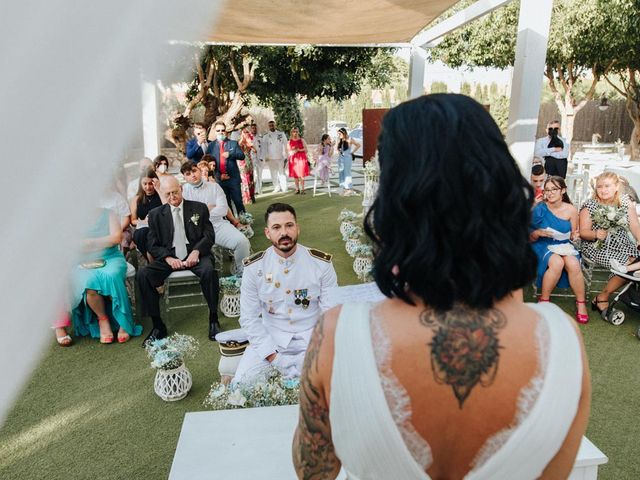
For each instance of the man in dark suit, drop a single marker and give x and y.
(227, 153)
(180, 237)
(197, 146)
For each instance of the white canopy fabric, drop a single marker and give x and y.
(331, 22)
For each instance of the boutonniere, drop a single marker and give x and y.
(194, 218)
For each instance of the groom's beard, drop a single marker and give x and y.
(285, 244)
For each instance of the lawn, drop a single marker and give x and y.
(90, 411)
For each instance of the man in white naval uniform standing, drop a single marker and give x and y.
(274, 149)
(283, 293)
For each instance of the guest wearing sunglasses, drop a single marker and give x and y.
(226, 154)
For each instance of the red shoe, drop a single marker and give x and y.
(581, 317)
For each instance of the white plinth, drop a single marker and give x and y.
(256, 443)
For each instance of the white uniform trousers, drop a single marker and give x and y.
(278, 177)
(258, 168)
(288, 360)
(230, 237)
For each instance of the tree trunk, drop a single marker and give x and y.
(633, 109)
(634, 141)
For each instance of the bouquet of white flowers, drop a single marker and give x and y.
(352, 232)
(372, 167)
(170, 352)
(363, 251)
(611, 218)
(245, 218)
(267, 389)
(347, 216)
(230, 285)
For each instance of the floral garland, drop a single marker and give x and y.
(347, 216)
(230, 285)
(352, 232)
(267, 389)
(609, 217)
(170, 352)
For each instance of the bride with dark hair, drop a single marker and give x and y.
(452, 376)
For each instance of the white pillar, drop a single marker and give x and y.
(416, 72)
(526, 83)
(150, 119)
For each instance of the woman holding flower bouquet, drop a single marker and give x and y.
(558, 261)
(605, 223)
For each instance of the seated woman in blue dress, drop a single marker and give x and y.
(558, 261)
(99, 295)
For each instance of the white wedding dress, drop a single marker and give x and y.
(370, 412)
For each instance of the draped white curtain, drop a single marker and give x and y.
(70, 76)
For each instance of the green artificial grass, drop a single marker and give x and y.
(89, 411)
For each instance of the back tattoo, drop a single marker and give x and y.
(465, 348)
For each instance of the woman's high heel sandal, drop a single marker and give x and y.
(543, 300)
(581, 317)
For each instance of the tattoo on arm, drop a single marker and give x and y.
(313, 452)
(465, 348)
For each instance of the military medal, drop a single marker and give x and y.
(301, 297)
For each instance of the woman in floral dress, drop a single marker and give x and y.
(248, 187)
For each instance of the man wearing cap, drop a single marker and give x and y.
(283, 293)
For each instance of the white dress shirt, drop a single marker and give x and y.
(541, 150)
(209, 193)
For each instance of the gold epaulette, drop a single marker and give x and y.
(253, 258)
(326, 257)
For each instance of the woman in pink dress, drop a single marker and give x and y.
(298, 160)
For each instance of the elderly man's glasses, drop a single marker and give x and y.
(173, 193)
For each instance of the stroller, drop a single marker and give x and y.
(629, 295)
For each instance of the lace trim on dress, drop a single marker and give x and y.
(526, 399)
(399, 402)
(396, 396)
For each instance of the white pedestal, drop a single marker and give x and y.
(256, 443)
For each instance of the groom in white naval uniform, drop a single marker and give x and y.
(283, 293)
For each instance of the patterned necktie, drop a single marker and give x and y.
(179, 238)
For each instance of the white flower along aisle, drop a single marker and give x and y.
(230, 302)
(173, 379)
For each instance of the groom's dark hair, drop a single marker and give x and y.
(278, 207)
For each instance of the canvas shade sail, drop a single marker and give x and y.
(331, 22)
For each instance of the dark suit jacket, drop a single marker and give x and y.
(235, 154)
(194, 151)
(199, 232)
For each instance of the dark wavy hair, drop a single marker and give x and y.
(450, 223)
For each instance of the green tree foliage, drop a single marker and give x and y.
(623, 41)
(578, 48)
(287, 113)
(223, 78)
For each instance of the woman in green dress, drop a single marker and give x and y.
(99, 296)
